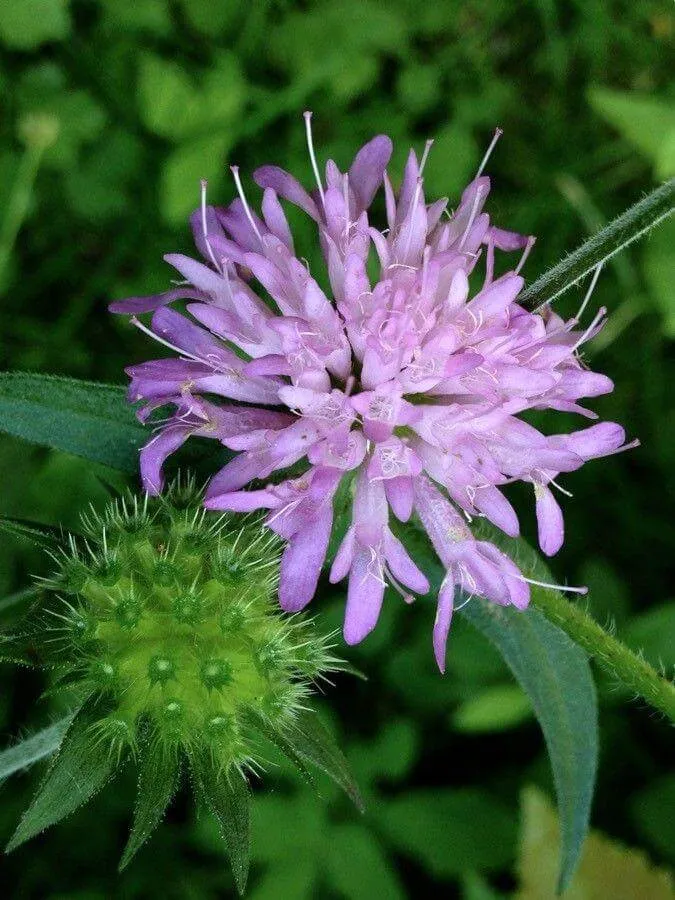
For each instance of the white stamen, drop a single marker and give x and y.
(204, 228)
(489, 263)
(488, 153)
(310, 146)
(156, 337)
(561, 489)
(596, 319)
(247, 209)
(345, 200)
(411, 213)
(591, 288)
(474, 209)
(531, 241)
(462, 605)
(425, 155)
(555, 587)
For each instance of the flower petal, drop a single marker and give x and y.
(446, 600)
(302, 561)
(364, 599)
(550, 522)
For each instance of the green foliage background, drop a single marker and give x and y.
(110, 113)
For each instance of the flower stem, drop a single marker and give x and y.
(610, 654)
(613, 238)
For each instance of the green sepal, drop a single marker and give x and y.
(21, 646)
(278, 737)
(311, 741)
(228, 797)
(158, 778)
(11, 606)
(45, 536)
(80, 769)
(34, 748)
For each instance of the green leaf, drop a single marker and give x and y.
(38, 534)
(152, 16)
(651, 633)
(665, 161)
(607, 868)
(450, 831)
(270, 815)
(358, 867)
(34, 748)
(157, 782)
(11, 602)
(659, 269)
(622, 231)
(652, 812)
(188, 164)
(81, 768)
(229, 799)
(87, 419)
(21, 647)
(177, 107)
(643, 120)
(493, 709)
(282, 742)
(29, 23)
(555, 674)
(313, 743)
(290, 881)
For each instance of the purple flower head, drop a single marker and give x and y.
(406, 384)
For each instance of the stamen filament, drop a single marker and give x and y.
(247, 209)
(488, 153)
(204, 228)
(310, 146)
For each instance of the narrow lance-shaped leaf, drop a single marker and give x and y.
(81, 768)
(157, 781)
(555, 674)
(34, 748)
(90, 420)
(11, 602)
(311, 741)
(45, 536)
(625, 229)
(229, 799)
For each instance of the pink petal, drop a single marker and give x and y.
(446, 599)
(367, 170)
(401, 565)
(364, 599)
(156, 451)
(302, 561)
(550, 521)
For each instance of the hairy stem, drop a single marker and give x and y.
(610, 654)
(625, 229)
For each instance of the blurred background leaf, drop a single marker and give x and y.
(143, 98)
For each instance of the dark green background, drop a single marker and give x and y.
(148, 96)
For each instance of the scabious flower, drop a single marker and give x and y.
(408, 383)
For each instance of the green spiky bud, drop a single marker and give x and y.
(164, 619)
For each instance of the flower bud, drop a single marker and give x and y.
(164, 621)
